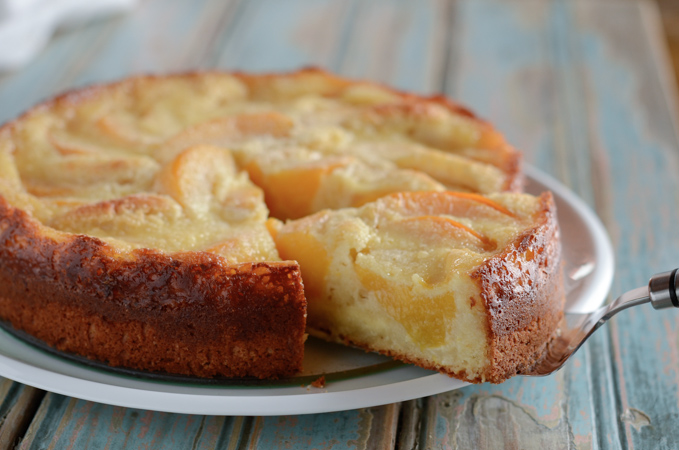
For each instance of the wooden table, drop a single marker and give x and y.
(584, 88)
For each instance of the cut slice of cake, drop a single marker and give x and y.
(455, 282)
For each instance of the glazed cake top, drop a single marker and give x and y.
(202, 161)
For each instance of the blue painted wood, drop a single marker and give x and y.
(156, 38)
(41, 78)
(635, 128)
(273, 36)
(64, 422)
(160, 37)
(400, 43)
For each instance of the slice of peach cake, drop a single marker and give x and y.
(455, 282)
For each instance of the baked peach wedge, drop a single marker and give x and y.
(456, 282)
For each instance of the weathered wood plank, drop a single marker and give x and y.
(633, 111)
(401, 43)
(160, 37)
(63, 422)
(18, 404)
(270, 36)
(369, 428)
(410, 425)
(669, 13)
(40, 78)
(155, 38)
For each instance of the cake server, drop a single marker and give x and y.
(662, 292)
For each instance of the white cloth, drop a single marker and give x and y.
(27, 25)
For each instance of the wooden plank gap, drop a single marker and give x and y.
(652, 24)
(213, 21)
(564, 409)
(6, 386)
(427, 436)
(409, 426)
(617, 390)
(230, 17)
(589, 365)
(599, 165)
(571, 146)
(199, 433)
(230, 433)
(204, 47)
(245, 433)
(87, 52)
(344, 41)
(384, 427)
(20, 416)
(448, 76)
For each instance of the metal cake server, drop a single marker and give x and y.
(662, 292)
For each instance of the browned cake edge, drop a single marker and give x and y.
(186, 313)
(522, 289)
(524, 298)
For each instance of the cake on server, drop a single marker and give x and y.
(142, 225)
(455, 282)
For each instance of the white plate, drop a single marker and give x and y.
(355, 379)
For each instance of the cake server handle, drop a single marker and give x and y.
(661, 292)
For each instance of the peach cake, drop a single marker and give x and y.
(141, 225)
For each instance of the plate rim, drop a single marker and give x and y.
(307, 400)
(603, 246)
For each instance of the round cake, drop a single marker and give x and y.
(159, 224)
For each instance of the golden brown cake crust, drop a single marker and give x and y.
(144, 309)
(522, 289)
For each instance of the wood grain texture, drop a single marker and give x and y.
(410, 425)
(634, 111)
(271, 37)
(582, 87)
(18, 404)
(669, 14)
(63, 422)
